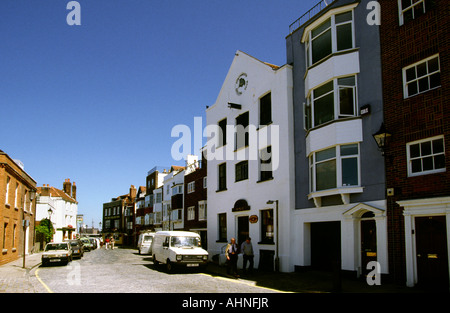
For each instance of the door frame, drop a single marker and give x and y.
(421, 208)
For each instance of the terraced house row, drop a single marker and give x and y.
(333, 160)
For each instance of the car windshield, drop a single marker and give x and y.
(57, 246)
(148, 238)
(74, 243)
(185, 241)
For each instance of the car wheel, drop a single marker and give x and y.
(155, 261)
(169, 266)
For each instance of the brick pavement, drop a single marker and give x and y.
(14, 278)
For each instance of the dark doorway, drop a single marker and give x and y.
(368, 244)
(431, 247)
(243, 229)
(325, 245)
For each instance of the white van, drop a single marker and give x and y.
(178, 248)
(145, 243)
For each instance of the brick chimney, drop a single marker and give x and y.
(67, 187)
(133, 192)
(74, 191)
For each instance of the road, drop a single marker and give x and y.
(125, 271)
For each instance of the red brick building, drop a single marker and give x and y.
(17, 205)
(415, 45)
(195, 205)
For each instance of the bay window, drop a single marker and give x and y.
(335, 167)
(333, 100)
(333, 35)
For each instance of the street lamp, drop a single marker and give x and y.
(277, 259)
(382, 137)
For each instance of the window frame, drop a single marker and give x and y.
(334, 37)
(265, 109)
(312, 101)
(432, 155)
(265, 175)
(401, 10)
(338, 157)
(240, 169)
(222, 181)
(417, 79)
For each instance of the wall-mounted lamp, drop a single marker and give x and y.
(382, 137)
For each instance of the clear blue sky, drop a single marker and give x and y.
(96, 103)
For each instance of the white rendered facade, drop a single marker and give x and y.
(259, 95)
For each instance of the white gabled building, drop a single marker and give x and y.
(251, 174)
(61, 207)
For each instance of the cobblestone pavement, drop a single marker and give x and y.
(123, 270)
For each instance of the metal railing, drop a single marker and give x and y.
(309, 14)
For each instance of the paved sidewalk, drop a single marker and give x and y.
(311, 282)
(14, 278)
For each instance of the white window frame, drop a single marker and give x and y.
(191, 187)
(191, 213)
(205, 182)
(310, 116)
(410, 159)
(338, 157)
(8, 182)
(428, 75)
(333, 27)
(401, 10)
(202, 210)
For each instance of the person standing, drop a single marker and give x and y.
(112, 241)
(107, 243)
(247, 251)
(232, 257)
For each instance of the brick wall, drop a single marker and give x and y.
(418, 117)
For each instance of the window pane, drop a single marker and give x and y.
(427, 163)
(423, 84)
(425, 148)
(412, 88)
(343, 17)
(265, 113)
(411, 73)
(324, 109)
(328, 87)
(408, 15)
(350, 172)
(349, 150)
(326, 154)
(439, 161)
(347, 81)
(435, 80)
(438, 146)
(346, 101)
(419, 10)
(406, 3)
(414, 151)
(326, 175)
(416, 166)
(344, 36)
(433, 65)
(321, 28)
(422, 69)
(321, 46)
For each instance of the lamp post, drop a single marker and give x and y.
(25, 223)
(277, 258)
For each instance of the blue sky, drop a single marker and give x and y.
(96, 103)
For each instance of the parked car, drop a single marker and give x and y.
(178, 248)
(145, 243)
(60, 252)
(77, 247)
(87, 244)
